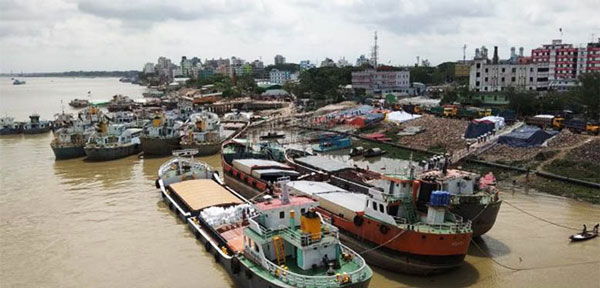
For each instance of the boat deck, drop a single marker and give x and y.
(202, 193)
(235, 238)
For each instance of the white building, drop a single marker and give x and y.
(279, 77)
(148, 68)
(381, 82)
(496, 75)
(342, 62)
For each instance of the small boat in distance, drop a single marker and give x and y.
(36, 126)
(357, 151)
(18, 82)
(374, 152)
(79, 103)
(336, 143)
(112, 142)
(272, 135)
(9, 126)
(585, 235)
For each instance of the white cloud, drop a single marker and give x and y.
(58, 35)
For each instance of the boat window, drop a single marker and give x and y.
(393, 210)
(381, 208)
(374, 206)
(256, 248)
(281, 215)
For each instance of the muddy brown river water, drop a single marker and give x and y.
(82, 224)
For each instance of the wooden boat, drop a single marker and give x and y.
(272, 135)
(373, 152)
(585, 235)
(357, 151)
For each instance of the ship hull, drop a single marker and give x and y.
(68, 152)
(37, 130)
(105, 154)
(10, 131)
(401, 262)
(482, 216)
(204, 149)
(159, 147)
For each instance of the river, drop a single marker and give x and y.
(82, 224)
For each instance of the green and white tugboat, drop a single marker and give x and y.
(278, 242)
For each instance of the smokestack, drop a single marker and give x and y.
(520, 51)
(513, 54)
(495, 59)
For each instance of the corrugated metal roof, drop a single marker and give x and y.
(312, 187)
(323, 163)
(260, 163)
(351, 201)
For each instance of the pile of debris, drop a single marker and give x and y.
(435, 132)
(507, 154)
(589, 152)
(566, 138)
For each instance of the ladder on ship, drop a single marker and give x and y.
(411, 214)
(279, 250)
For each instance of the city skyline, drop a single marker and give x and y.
(62, 35)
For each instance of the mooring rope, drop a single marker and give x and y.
(530, 268)
(540, 218)
(384, 243)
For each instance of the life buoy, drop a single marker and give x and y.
(235, 265)
(207, 246)
(358, 221)
(383, 229)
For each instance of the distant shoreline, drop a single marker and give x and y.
(119, 74)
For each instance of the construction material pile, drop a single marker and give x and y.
(218, 216)
(566, 138)
(436, 132)
(589, 152)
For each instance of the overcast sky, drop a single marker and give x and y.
(60, 35)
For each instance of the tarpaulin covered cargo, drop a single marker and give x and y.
(401, 116)
(526, 136)
(498, 121)
(477, 128)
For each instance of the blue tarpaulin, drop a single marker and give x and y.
(526, 136)
(478, 128)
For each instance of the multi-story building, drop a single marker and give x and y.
(236, 67)
(381, 82)
(279, 77)
(342, 62)
(279, 59)
(496, 75)
(186, 67)
(593, 57)
(327, 63)
(305, 64)
(148, 68)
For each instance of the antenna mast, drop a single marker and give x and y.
(374, 51)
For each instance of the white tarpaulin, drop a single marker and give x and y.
(401, 116)
(498, 121)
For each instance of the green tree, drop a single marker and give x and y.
(588, 94)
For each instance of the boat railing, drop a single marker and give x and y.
(301, 280)
(262, 230)
(302, 239)
(400, 220)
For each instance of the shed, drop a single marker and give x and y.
(526, 136)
